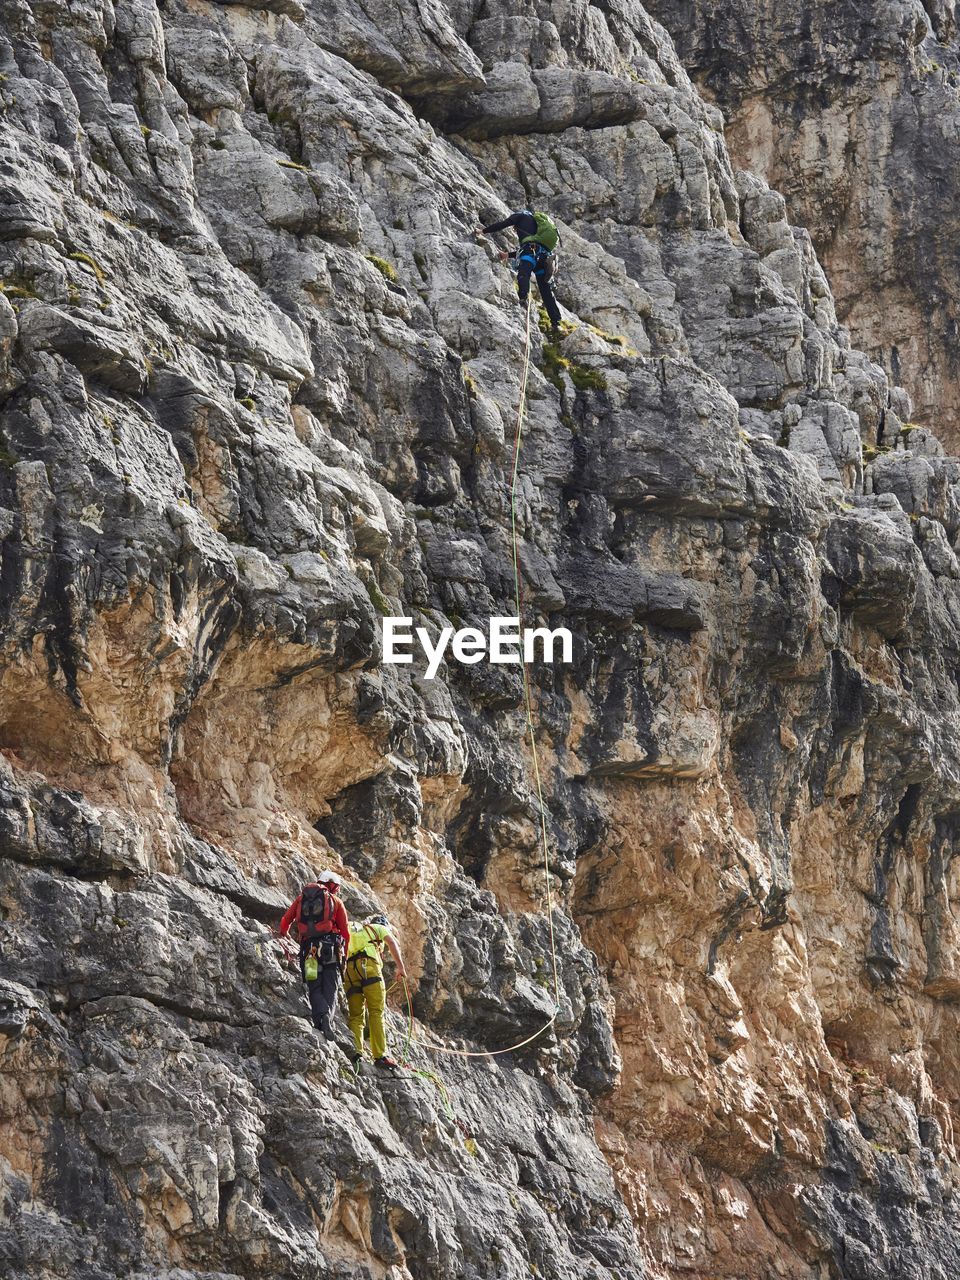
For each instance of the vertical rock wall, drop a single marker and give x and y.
(853, 112)
(259, 385)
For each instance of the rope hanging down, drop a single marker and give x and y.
(544, 840)
(528, 708)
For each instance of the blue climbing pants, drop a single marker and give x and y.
(535, 260)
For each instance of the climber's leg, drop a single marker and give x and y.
(549, 301)
(357, 1017)
(376, 998)
(526, 262)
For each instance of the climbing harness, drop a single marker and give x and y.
(544, 263)
(327, 950)
(357, 964)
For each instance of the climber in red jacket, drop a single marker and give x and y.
(324, 935)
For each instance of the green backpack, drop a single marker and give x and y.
(547, 233)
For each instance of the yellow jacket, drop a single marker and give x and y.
(367, 940)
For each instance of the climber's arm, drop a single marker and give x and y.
(512, 221)
(397, 958)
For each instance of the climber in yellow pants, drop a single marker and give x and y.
(366, 994)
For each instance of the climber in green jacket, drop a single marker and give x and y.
(536, 256)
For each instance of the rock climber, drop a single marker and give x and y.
(366, 994)
(536, 256)
(324, 935)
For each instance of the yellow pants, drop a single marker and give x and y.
(366, 995)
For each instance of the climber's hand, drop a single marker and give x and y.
(478, 232)
(503, 255)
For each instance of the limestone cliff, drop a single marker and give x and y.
(853, 111)
(259, 384)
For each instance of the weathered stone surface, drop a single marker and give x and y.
(852, 112)
(258, 388)
(516, 99)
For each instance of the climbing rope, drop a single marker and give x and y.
(404, 1053)
(530, 728)
(527, 695)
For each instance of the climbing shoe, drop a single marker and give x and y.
(325, 1028)
(386, 1064)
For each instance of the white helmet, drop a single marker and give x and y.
(329, 877)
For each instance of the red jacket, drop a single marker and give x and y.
(339, 919)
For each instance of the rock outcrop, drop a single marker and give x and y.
(259, 388)
(852, 111)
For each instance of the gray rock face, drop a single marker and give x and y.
(258, 390)
(851, 111)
